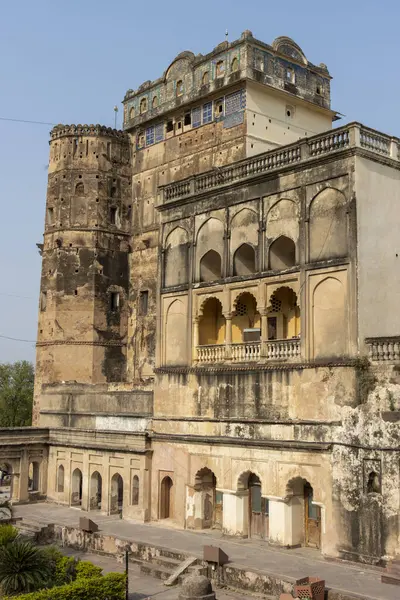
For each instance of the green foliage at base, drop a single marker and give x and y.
(8, 533)
(85, 570)
(23, 567)
(109, 587)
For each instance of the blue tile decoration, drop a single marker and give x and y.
(150, 135)
(207, 113)
(234, 119)
(233, 103)
(196, 117)
(159, 132)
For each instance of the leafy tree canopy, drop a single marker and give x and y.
(16, 394)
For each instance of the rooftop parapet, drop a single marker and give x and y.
(60, 131)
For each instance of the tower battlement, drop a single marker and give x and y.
(97, 130)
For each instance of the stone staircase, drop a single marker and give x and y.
(168, 565)
(32, 529)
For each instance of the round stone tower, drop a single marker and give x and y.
(83, 309)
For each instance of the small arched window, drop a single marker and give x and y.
(220, 68)
(282, 253)
(79, 189)
(210, 266)
(373, 484)
(143, 105)
(135, 490)
(155, 102)
(60, 479)
(244, 260)
(205, 80)
(234, 65)
(132, 112)
(179, 87)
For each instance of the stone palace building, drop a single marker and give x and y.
(218, 343)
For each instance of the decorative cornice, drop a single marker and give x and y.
(254, 367)
(80, 343)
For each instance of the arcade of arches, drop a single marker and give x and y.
(291, 521)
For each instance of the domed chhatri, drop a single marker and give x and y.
(197, 587)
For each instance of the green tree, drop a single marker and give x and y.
(16, 394)
(23, 568)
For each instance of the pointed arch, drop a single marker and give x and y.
(244, 260)
(176, 257)
(175, 338)
(76, 488)
(329, 319)
(116, 494)
(282, 253)
(328, 225)
(283, 220)
(283, 320)
(210, 236)
(96, 486)
(210, 266)
(135, 490)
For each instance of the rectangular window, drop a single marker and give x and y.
(159, 132)
(50, 216)
(207, 113)
(114, 301)
(143, 303)
(150, 136)
(43, 301)
(170, 126)
(196, 117)
(113, 215)
(219, 108)
(272, 328)
(233, 103)
(187, 119)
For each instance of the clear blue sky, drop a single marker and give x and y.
(71, 62)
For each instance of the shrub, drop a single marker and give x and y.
(23, 567)
(8, 533)
(86, 570)
(62, 567)
(109, 587)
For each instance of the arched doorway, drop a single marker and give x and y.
(283, 315)
(6, 481)
(306, 516)
(246, 321)
(76, 488)
(135, 490)
(244, 260)
(257, 510)
(165, 498)
(211, 323)
(33, 477)
(208, 502)
(95, 491)
(117, 494)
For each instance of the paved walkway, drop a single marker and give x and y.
(288, 564)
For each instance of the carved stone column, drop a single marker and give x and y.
(264, 333)
(228, 336)
(195, 338)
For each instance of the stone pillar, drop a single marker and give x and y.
(145, 493)
(286, 521)
(22, 485)
(228, 336)
(85, 505)
(195, 338)
(235, 513)
(264, 334)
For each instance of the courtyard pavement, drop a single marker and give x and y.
(350, 578)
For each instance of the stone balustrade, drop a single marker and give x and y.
(211, 353)
(351, 136)
(250, 351)
(283, 349)
(384, 349)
